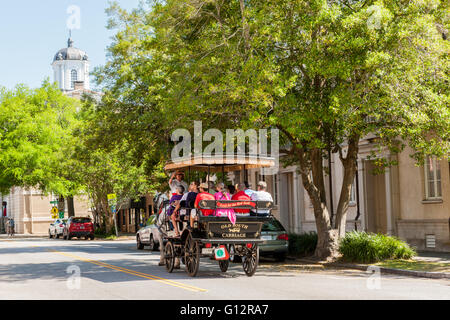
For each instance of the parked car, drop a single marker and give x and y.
(148, 235)
(56, 229)
(276, 242)
(79, 227)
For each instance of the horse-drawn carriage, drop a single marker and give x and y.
(212, 236)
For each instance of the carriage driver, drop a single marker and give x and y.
(175, 180)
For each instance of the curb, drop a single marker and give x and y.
(411, 273)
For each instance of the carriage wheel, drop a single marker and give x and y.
(250, 260)
(191, 256)
(224, 265)
(169, 256)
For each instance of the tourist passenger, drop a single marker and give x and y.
(241, 195)
(248, 191)
(188, 201)
(204, 195)
(261, 195)
(174, 203)
(212, 187)
(222, 194)
(231, 189)
(175, 180)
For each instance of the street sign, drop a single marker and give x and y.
(112, 199)
(54, 212)
(112, 202)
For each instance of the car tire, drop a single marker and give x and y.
(50, 234)
(92, 237)
(139, 244)
(69, 236)
(56, 235)
(153, 245)
(64, 236)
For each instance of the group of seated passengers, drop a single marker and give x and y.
(197, 192)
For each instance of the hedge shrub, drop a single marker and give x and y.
(302, 244)
(369, 247)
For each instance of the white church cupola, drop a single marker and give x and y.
(71, 68)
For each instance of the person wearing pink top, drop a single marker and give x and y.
(221, 194)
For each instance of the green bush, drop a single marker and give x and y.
(101, 233)
(302, 244)
(369, 247)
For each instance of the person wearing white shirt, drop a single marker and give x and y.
(175, 180)
(261, 195)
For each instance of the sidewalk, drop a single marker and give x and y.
(434, 265)
(122, 237)
(23, 236)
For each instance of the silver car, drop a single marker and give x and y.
(149, 235)
(276, 240)
(56, 228)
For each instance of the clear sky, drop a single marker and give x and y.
(32, 31)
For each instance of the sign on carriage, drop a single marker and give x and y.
(226, 230)
(221, 253)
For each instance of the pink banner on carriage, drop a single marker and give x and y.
(235, 204)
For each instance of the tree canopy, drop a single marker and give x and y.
(34, 127)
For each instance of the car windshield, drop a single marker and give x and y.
(273, 225)
(151, 220)
(81, 220)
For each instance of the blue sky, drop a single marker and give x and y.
(31, 32)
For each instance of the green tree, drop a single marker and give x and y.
(105, 169)
(326, 73)
(35, 125)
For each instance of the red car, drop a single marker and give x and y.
(79, 227)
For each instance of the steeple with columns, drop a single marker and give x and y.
(71, 68)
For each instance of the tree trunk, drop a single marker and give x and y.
(108, 215)
(328, 238)
(327, 244)
(70, 207)
(349, 164)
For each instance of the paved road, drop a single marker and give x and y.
(46, 269)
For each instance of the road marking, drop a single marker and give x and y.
(132, 272)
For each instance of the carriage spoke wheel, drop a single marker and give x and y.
(250, 260)
(191, 256)
(169, 255)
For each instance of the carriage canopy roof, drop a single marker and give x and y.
(218, 163)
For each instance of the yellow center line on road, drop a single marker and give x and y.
(132, 272)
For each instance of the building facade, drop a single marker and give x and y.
(408, 201)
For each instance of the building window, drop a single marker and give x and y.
(73, 77)
(353, 193)
(433, 188)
